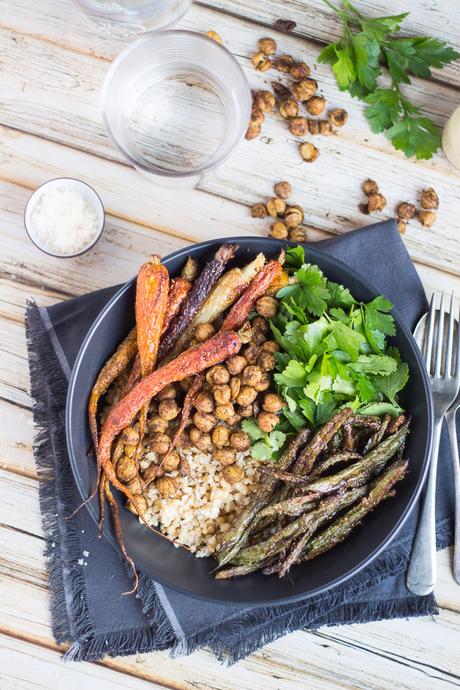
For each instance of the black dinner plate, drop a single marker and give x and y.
(177, 567)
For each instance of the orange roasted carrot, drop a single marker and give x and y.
(151, 300)
(213, 351)
(258, 287)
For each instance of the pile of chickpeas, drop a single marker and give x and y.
(232, 391)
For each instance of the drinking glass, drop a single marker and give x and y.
(125, 18)
(176, 103)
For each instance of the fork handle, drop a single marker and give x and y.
(421, 574)
(450, 419)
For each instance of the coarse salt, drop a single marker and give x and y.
(63, 221)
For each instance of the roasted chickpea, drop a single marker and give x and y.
(264, 383)
(217, 375)
(204, 443)
(304, 89)
(167, 393)
(171, 462)
(278, 230)
(240, 440)
(294, 216)
(166, 486)
(251, 353)
(152, 472)
(300, 70)
(429, 200)
(204, 402)
(130, 435)
(204, 421)
(225, 412)
(226, 456)
(266, 361)
(136, 485)
(267, 421)
(126, 468)
(258, 338)
(273, 403)
(427, 218)
(370, 187)
(222, 394)
(376, 202)
(282, 189)
(235, 386)
(204, 331)
(283, 63)
(159, 443)
(267, 46)
(298, 126)
(246, 396)
(194, 434)
(252, 375)
(315, 105)
(141, 504)
(253, 130)
(220, 436)
(236, 364)
(168, 410)
(245, 410)
(267, 306)
(235, 420)
(265, 101)
(258, 211)
(276, 206)
(308, 151)
(260, 324)
(261, 62)
(233, 474)
(270, 346)
(288, 108)
(157, 423)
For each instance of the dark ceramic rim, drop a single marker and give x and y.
(410, 504)
(86, 249)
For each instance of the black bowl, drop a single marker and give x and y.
(176, 567)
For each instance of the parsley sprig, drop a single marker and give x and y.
(357, 61)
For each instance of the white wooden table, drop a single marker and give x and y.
(51, 70)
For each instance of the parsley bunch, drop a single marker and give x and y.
(357, 62)
(333, 350)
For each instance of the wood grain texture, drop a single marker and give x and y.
(318, 22)
(52, 65)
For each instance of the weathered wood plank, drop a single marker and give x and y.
(372, 652)
(62, 25)
(23, 157)
(318, 22)
(25, 666)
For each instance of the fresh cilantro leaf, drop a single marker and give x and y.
(380, 408)
(295, 419)
(342, 337)
(366, 57)
(344, 66)
(343, 386)
(317, 384)
(384, 109)
(325, 410)
(252, 429)
(293, 375)
(339, 296)
(295, 257)
(365, 389)
(308, 407)
(261, 451)
(339, 314)
(276, 439)
(315, 293)
(380, 27)
(378, 323)
(393, 383)
(374, 364)
(313, 333)
(416, 136)
(421, 53)
(328, 54)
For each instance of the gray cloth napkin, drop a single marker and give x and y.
(87, 576)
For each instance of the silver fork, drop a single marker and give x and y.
(421, 575)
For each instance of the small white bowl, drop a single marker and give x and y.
(64, 183)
